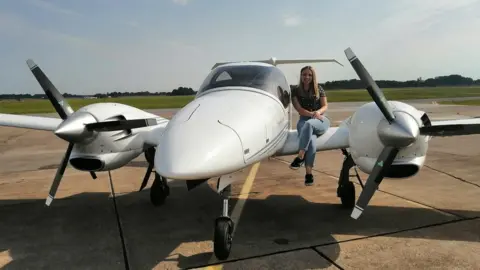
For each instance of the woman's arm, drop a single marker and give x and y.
(323, 100)
(299, 108)
(324, 103)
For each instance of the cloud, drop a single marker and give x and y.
(16, 26)
(416, 16)
(48, 6)
(181, 2)
(132, 23)
(291, 21)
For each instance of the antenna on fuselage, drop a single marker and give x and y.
(274, 61)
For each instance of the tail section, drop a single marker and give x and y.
(274, 61)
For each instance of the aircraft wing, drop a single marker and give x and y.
(151, 137)
(334, 138)
(456, 127)
(29, 121)
(467, 121)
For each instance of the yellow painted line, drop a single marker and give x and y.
(214, 267)
(237, 210)
(242, 199)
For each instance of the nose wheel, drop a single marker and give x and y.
(224, 226)
(159, 190)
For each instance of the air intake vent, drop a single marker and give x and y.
(87, 164)
(402, 171)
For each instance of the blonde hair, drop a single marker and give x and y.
(313, 83)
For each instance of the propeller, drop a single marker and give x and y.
(395, 133)
(121, 124)
(77, 127)
(64, 110)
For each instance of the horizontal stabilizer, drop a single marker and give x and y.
(30, 122)
(274, 61)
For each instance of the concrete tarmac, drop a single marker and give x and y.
(430, 221)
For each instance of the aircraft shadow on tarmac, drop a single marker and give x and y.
(81, 231)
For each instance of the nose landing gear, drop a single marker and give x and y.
(224, 226)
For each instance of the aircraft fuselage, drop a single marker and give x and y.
(229, 127)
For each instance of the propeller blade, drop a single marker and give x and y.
(450, 130)
(147, 176)
(59, 175)
(374, 179)
(371, 86)
(121, 124)
(58, 101)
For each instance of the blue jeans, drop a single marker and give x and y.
(308, 129)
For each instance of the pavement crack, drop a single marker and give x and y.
(389, 193)
(327, 258)
(423, 204)
(401, 231)
(333, 243)
(256, 257)
(119, 224)
(453, 176)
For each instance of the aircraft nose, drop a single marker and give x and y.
(198, 150)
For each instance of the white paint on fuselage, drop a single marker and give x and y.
(222, 131)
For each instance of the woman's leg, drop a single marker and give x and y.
(298, 161)
(311, 129)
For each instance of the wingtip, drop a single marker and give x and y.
(31, 64)
(350, 54)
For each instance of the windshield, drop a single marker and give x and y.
(266, 78)
(247, 76)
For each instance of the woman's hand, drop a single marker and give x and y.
(317, 115)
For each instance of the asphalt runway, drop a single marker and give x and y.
(430, 221)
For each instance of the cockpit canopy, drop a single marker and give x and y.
(263, 77)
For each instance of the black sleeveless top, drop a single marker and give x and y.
(308, 100)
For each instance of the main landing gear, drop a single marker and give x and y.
(223, 235)
(346, 188)
(159, 190)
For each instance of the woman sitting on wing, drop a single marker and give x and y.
(310, 101)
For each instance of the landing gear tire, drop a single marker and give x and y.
(347, 194)
(159, 190)
(223, 237)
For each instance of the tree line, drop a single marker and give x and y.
(439, 81)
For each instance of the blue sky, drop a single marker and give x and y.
(93, 46)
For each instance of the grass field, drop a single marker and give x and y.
(462, 102)
(158, 102)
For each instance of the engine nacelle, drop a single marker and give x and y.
(108, 150)
(366, 145)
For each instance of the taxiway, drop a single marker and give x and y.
(428, 221)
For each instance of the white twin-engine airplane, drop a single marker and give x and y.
(240, 116)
